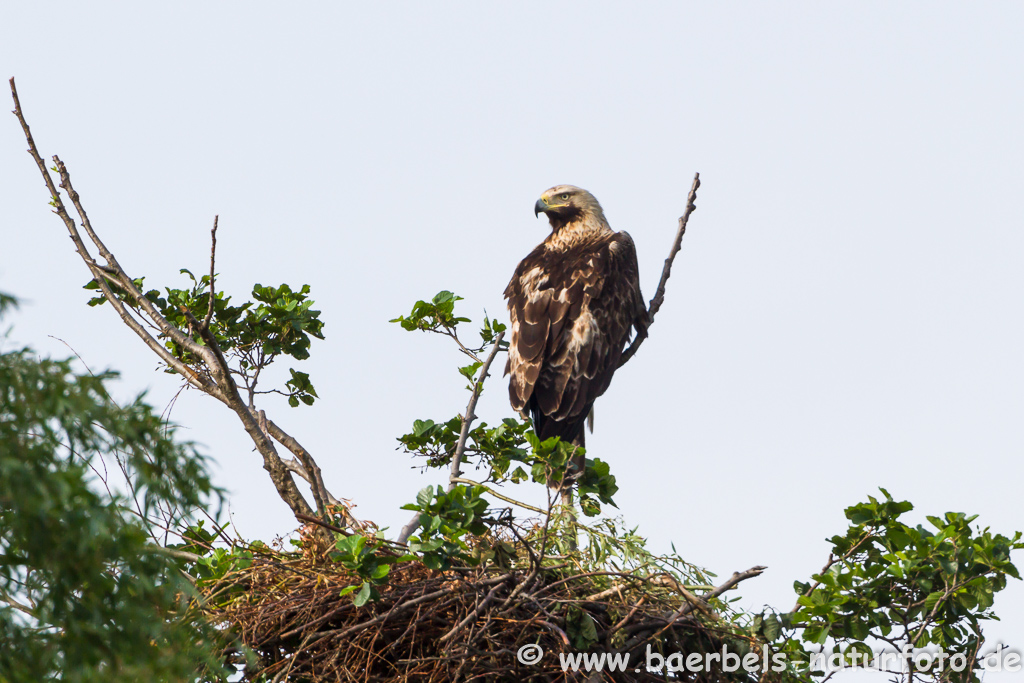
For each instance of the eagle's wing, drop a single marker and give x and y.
(571, 315)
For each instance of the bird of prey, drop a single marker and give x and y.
(573, 303)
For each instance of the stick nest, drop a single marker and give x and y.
(294, 621)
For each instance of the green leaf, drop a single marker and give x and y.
(424, 497)
(363, 595)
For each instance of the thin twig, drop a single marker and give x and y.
(666, 270)
(513, 501)
(213, 256)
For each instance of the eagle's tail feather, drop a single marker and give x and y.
(571, 431)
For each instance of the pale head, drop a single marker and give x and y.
(568, 204)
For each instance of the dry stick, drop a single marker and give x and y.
(213, 256)
(622, 622)
(341, 633)
(460, 447)
(560, 632)
(472, 615)
(659, 295)
(513, 501)
(689, 606)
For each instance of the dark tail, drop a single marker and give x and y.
(570, 431)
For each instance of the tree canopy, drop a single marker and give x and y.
(86, 591)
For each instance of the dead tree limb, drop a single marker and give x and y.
(666, 270)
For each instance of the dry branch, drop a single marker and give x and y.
(666, 270)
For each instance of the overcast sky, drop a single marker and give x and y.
(845, 312)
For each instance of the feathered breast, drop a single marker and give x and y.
(571, 312)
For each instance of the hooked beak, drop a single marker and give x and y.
(540, 207)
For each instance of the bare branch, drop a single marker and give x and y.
(165, 326)
(472, 615)
(213, 256)
(409, 529)
(102, 273)
(659, 295)
(313, 474)
(513, 501)
(460, 447)
(17, 605)
(470, 416)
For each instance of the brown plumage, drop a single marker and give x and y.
(573, 303)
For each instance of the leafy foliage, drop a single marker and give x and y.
(279, 322)
(434, 315)
(438, 315)
(365, 557)
(446, 517)
(85, 595)
(893, 584)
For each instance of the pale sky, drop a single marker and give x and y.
(845, 312)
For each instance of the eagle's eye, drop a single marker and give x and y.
(565, 197)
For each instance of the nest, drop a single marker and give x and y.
(294, 621)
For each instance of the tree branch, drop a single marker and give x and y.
(164, 325)
(224, 389)
(666, 270)
(467, 420)
(272, 462)
(102, 273)
(313, 474)
(460, 447)
(213, 256)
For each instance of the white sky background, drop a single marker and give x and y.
(844, 314)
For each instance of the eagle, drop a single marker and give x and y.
(573, 303)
